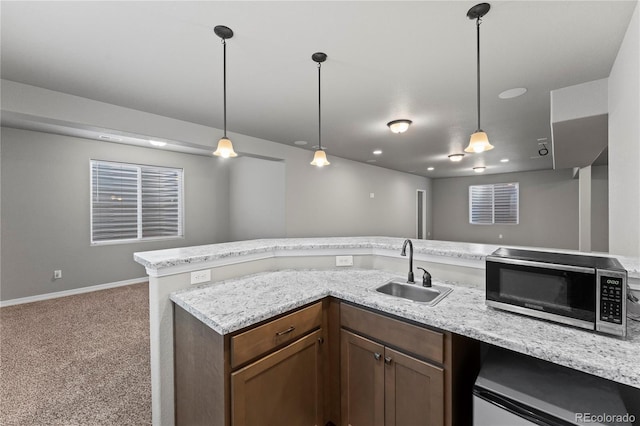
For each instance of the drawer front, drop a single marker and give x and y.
(425, 343)
(257, 341)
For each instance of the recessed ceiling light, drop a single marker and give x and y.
(479, 169)
(513, 93)
(456, 157)
(504, 160)
(157, 143)
(430, 168)
(377, 152)
(371, 161)
(300, 142)
(399, 126)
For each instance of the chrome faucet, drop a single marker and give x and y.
(404, 253)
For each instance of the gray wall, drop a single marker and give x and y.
(45, 211)
(335, 200)
(624, 144)
(548, 210)
(256, 199)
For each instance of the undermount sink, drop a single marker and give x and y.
(415, 292)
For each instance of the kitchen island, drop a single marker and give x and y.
(255, 280)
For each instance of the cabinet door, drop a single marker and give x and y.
(414, 391)
(362, 381)
(283, 388)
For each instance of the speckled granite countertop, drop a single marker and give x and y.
(230, 305)
(158, 259)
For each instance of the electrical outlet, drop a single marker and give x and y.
(57, 274)
(203, 276)
(344, 260)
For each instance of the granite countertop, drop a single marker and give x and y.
(231, 305)
(159, 259)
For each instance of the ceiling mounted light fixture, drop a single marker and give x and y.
(479, 169)
(225, 147)
(456, 157)
(320, 157)
(479, 140)
(399, 126)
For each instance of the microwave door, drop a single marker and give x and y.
(541, 290)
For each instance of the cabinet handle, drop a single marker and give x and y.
(377, 356)
(321, 340)
(387, 360)
(287, 331)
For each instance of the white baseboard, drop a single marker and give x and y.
(71, 292)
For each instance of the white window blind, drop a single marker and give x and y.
(132, 202)
(494, 204)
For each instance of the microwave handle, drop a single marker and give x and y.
(536, 264)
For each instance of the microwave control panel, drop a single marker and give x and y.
(611, 299)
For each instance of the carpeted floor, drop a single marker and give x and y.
(77, 360)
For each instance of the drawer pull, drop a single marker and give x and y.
(377, 356)
(287, 331)
(387, 360)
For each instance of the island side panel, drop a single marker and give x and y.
(201, 373)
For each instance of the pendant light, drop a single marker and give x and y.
(320, 157)
(225, 148)
(479, 140)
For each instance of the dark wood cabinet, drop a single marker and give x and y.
(362, 380)
(269, 374)
(396, 373)
(385, 387)
(414, 391)
(326, 363)
(282, 388)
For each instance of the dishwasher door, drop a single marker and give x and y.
(517, 390)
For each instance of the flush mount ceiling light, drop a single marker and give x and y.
(456, 157)
(399, 126)
(377, 152)
(157, 143)
(320, 157)
(479, 169)
(504, 160)
(430, 168)
(479, 140)
(225, 147)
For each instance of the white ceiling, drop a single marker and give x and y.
(386, 60)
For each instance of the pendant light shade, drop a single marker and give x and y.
(225, 147)
(320, 157)
(479, 141)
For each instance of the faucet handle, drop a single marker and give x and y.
(426, 278)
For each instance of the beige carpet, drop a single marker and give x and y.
(77, 360)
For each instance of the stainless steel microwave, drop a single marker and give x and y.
(584, 291)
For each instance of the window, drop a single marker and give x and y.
(494, 204)
(132, 202)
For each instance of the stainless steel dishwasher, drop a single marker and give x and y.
(517, 390)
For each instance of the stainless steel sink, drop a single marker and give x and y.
(415, 292)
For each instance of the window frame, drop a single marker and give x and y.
(493, 203)
(139, 223)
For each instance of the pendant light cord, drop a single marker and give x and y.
(319, 111)
(478, 22)
(224, 79)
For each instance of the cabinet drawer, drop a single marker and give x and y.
(257, 341)
(411, 338)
